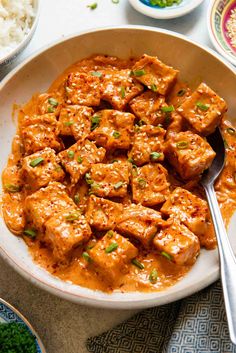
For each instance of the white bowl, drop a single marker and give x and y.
(36, 73)
(14, 53)
(165, 13)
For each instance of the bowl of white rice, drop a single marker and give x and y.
(18, 21)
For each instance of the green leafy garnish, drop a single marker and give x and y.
(155, 155)
(166, 255)
(95, 121)
(12, 188)
(53, 102)
(168, 109)
(72, 217)
(164, 3)
(182, 145)
(153, 276)
(153, 88)
(137, 73)
(77, 198)
(111, 247)
(122, 92)
(116, 134)
(96, 73)
(36, 162)
(16, 338)
(93, 6)
(142, 183)
(138, 264)
(71, 154)
(115, 1)
(30, 232)
(86, 256)
(110, 234)
(68, 123)
(79, 159)
(88, 179)
(203, 107)
(118, 185)
(51, 109)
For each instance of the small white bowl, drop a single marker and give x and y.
(165, 13)
(13, 54)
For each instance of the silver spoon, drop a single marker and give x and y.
(226, 255)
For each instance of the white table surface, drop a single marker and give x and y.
(64, 326)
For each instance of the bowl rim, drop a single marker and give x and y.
(7, 58)
(83, 298)
(214, 41)
(165, 13)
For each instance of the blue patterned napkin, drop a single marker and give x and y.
(194, 325)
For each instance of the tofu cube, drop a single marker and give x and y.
(65, 231)
(149, 184)
(112, 255)
(40, 131)
(148, 108)
(118, 88)
(109, 180)
(78, 158)
(103, 214)
(188, 209)
(147, 145)
(177, 243)
(203, 110)
(45, 203)
(178, 94)
(49, 103)
(112, 129)
(153, 73)
(140, 223)
(175, 126)
(189, 154)
(75, 120)
(40, 168)
(83, 89)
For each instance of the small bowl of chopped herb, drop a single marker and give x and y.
(165, 9)
(222, 27)
(16, 334)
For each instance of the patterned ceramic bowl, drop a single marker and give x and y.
(10, 314)
(221, 20)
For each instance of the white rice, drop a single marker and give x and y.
(16, 18)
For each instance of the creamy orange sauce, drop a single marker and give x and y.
(77, 270)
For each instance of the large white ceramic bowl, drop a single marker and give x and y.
(35, 74)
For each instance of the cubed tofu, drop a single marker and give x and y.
(148, 108)
(75, 120)
(13, 211)
(175, 126)
(178, 94)
(188, 209)
(118, 88)
(154, 74)
(78, 158)
(49, 103)
(189, 154)
(140, 223)
(45, 203)
(65, 231)
(112, 129)
(103, 214)
(40, 168)
(203, 110)
(83, 89)
(177, 243)
(112, 255)
(147, 145)
(109, 180)
(40, 131)
(149, 184)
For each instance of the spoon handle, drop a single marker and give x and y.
(227, 261)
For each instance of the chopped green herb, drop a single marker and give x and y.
(155, 155)
(134, 170)
(16, 338)
(153, 88)
(79, 159)
(89, 247)
(95, 121)
(77, 198)
(118, 185)
(68, 123)
(111, 247)
(36, 162)
(130, 160)
(166, 255)
(140, 123)
(116, 134)
(72, 217)
(110, 234)
(88, 179)
(53, 102)
(51, 109)
(182, 145)
(122, 92)
(114, 160)
(153, 276)
(30, 232)
(231, 131)
(86, 256)
(181, 92)
(71, 154)
(203, 107)
(96, 73)
(138, 264)
(115, 1)
(93, 6)
(142, 183)
(168, 109)
(12, 188)
(137, 73)
(164, 3)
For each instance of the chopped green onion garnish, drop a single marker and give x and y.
(155, 155)
(118, 185)
(114, 160)
(36, 161)
(115, 1)
(134, 170)
(130, 160)
(168, 109)
(116, 134)
(53, 102)
(93, 6)
(122, 92)
(79, 159)
(30, 232)
(95, 122)
(203, 107)
(88, 179)
(140, 123)
(71, 154)
(51, 109)
(72, 217)
(137, 73)
(181, 92)
(86, 256)
(96, 73)
(111, 247)
(110, 234)
(153, 88)
(76, 198)
(142, 182)
(68, 123)
(182, 145)
(164, 3)
(231, 131)
(89, 247)
(138, 264)
(12, 188)
(153, 276)
(166, 255)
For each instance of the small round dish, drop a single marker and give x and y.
(219, 13)
(10, 314)
(177, 10)
(14, 53)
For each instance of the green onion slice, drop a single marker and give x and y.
(137, 73)
(93, 6)
(68, 123)
(122, 92)
(181, 92)
(116, 134)
(36, 162)
(203, 107)
(153, 276)
(142, 182)
(86, 256)
(72, 217)
(111, 247)
(166, 255)
(155, 155)
(110, 234)
(138, 264)
(182, 145)
(118, 185)
(79, 159)
(153, 88)
(231, 131)
(51, 109)
(168, 109)
(71, 154)
(115, 1)
(53, 102)
(30, 232)
(77, 198)
(95, 121)
(12, 188)
(96, 73)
